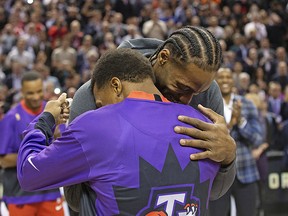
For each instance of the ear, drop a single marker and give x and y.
(117, 86)
(163, 56)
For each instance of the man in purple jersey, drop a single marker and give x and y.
(19, 202)
(127, 152)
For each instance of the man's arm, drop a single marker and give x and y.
(34, 154)
(215, 138)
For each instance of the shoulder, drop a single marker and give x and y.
(14, 110)
(189, 111)
(211, 98)
(146, 46)
(83, 101)
(102, 114)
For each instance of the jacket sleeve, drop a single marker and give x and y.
(223, 181)
(42, 167)
(212, 98)
(252, 129)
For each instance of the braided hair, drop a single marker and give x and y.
(192, 44)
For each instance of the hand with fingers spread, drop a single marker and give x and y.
(59, 109)
(214, 138)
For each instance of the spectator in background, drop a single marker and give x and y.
(61, 56)
(108, 43)
(244, 82)
(83, 54)
(181, 11)
(242, 120)
(284, 106)
(281, 54)
(7, 39)
(58, 30)
(214, 27)
(118, 28)
(37, 20)
(22, 54)
(281, 75)
(276, 30)
(132, 33)
(237, 70)
(260, 79)
(251, 62)
(89, 10)
(92, 57)
(30, 35)
(19, 202)
(13, 79)
(275, 100)
(44, 71)
(239, 47)
(126, 8)
(255, 29)
(76, 35)
(94, 24)
(3, 17)
(43, 46)
(154, 27)
(266, 56)
(73, 13)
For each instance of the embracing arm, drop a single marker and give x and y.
(214, 138)
(42, 167)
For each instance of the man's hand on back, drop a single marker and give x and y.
(214, 138)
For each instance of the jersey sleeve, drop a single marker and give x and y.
(42, 167)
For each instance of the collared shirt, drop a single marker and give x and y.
(228, 109)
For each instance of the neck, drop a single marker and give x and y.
(145, 86)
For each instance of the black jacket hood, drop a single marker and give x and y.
(146, 46)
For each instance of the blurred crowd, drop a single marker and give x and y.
(62, 40)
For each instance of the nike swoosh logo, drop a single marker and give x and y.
(58, 207)
(32, 164)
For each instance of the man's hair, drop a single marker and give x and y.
(30, 76)
(192, 44)
(126, 64)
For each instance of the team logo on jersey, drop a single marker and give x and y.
(173, 191)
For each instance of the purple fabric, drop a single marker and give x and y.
(129, 154)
